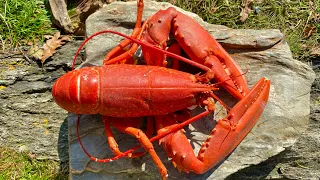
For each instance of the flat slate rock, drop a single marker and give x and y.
(263, 52)
(30, 120)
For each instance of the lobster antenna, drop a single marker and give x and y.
(193, 63)
(217, 83)
(147, 45)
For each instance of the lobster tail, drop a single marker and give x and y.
(78, 91)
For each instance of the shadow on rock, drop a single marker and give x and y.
(63, 151)
(261, 170)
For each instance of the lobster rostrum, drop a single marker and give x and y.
(125, 93)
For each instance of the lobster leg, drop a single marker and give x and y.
(129, 126)
(128, 122)
(224, 138)
(112, 142)
(118, 53)
(176, 49)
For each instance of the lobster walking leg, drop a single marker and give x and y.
(224, 138)
(176, 49)
(135, 122)
(128, 126)
(119, 52)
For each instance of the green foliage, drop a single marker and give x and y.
(15, 165)
(293, 18)
(22, 21)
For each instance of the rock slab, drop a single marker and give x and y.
(263, 52)
(29, 118)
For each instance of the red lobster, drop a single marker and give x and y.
(123, 93)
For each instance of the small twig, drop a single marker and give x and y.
(296, 26)
(43, 69)
(305, 26)
(25, 56)
(302, 166)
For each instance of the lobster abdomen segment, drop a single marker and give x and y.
(78, 91)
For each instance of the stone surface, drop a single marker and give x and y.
(302, 160)
(262, 52)
(29, 118)
(60, 15)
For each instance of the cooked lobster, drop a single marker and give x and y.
(160, 91)
(124, 93)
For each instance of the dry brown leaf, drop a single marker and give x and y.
(49, 48)
(47, 36)
(309, 31)
(30, 43)
(245, 10)
(35, 51)
(214, 9)
(303, 46)
(32, 156)
(315, 51)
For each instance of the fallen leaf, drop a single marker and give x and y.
(2, 87)
(30, 43)
(32, 156)
(49, 48)
(303, 46)
(315, 51)
(36, 52)
(309, 31)
(47, 36)
(214, 9)
(245, 10)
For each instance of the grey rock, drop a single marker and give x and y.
(248, 38)
(64, 56)
(302, 160)
(13, 69)
(262, 52)
(60, 15)
(30, 120)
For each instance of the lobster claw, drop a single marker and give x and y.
(224, 138)
(201, 48)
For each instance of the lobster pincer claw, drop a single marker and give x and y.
(201, 48)
(224, 138)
